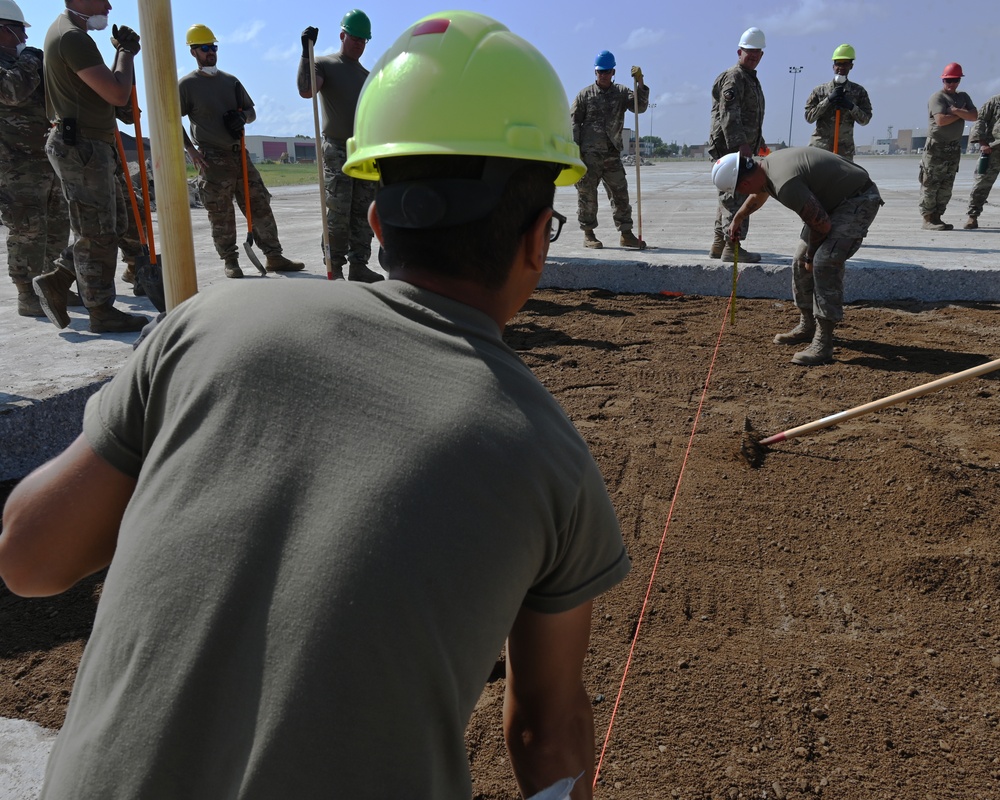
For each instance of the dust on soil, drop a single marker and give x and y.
(826, 624)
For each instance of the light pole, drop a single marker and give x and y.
(650, 107)
(795, 74)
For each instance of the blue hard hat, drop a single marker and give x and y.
(605, 60)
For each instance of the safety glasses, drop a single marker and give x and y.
(208, 48)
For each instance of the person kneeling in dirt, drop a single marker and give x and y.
(837, 201)
(313, 569)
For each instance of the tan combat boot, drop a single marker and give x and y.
(718, 245)
(932, 222)
(946, 226)
(971, 223)
(27, 302)
(746, 256)
(108, 319)
(803, 332)
(361, 273)
(52, 290)
(276, 262)
(233, 268)
(591, 241)
(628, 239)
(820, 350)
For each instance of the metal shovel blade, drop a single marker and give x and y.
(248, 246)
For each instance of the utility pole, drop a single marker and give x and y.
(795, 74)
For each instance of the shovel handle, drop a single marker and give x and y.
(246, 184)
(136, 114)
(130, 188)
(891, 400)
(836, 131)
(638, 158)
(319, 164)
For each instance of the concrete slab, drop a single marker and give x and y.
(46, 375)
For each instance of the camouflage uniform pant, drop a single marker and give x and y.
(97, 211)
(729, 204)
(982, 184)
(347, 203)
(603, 168)
(219, 185)
(34, 210)
(938, 168)
(820, 292)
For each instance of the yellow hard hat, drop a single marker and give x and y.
(200, 34)
(844, 52)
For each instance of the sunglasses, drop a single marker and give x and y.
(604, 71)
(560, 220)
(951, 80)
(208, 48)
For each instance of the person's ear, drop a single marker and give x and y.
(375, 222)
(536, 241)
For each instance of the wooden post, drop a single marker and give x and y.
(638, 158)
(327, 259)
(173, 207)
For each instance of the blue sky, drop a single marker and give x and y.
(902, 48)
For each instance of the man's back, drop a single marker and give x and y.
(394, 436)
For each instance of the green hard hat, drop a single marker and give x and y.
(844, 52)
(356, 23)
(453, 84)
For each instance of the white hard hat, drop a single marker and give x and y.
(726, 172)
(753, 39)
(10, 10)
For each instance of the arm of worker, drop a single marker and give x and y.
(112, 85)
(548, 721)
(861, 112)
(309, 36)
(19, 81)
(578, 113)
(196, 158)
(817, 106)
(818, 221)
(61, 523)
(955, 113)
(750, 205)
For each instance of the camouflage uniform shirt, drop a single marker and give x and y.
(23, 124)
(986, 129)
(737, 112)
(599, 116)
(821, 111)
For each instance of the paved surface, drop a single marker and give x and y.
(46, 374)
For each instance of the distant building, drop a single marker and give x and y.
(914, 140)
(271, 148)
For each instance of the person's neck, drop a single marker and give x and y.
(77, 18)
(467, 292)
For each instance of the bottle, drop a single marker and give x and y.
(984, 164)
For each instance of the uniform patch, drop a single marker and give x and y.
(729, 94)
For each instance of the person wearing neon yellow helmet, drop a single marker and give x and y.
(839, 95)
(325, 621)
(947, 112)
(339, 78)
(219, 108)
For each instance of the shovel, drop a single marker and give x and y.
(149, 274)
(248, 244)
(754, 449)
(327, 259)
(153, 289)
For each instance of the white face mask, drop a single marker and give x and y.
(840, 79)
(20, 47)
(209, 70)
(95, 22)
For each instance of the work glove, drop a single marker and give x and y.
(124, 38)
(845, 103)
(308, 35)
(234, 121)
(837, 93)
(637, 74)
(33, 52)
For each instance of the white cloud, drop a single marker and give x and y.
(681, 96)
(811, 16)
(643, 37)
(286, 54)
(583, 25)
(245, 33)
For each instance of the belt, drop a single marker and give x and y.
(235, 148)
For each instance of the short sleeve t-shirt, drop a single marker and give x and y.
(205, 99)
(342, 82)
(796, 173)
(939, 103)
(69, 50)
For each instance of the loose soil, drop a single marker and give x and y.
(826, 624)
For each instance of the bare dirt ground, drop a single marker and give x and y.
(827, 624)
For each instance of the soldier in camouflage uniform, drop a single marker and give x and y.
(737, 127)
(339, 79)
(598, 118)
(81, 94)
(219, 108)
(31, 201)
(841, 96)
(948, 110)
(986, 132)
(837, 202)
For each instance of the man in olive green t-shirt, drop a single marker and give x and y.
(837, 201)
(81, 94)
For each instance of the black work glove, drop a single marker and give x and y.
(34, 52)
(308, 35)
(234, 121)
(124, 38)
(837, 93)
(845, 103)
